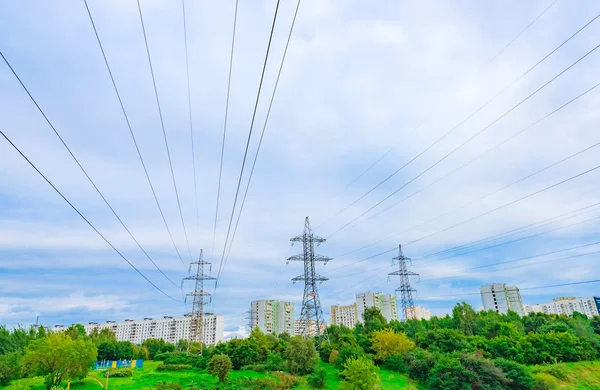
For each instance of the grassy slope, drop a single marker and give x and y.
(148, 377)
(581, 375)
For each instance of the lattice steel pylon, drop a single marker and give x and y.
(311, 313)
(408, 305)
(196, 332)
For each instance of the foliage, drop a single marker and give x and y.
(418, 363)
(317, 380)
(301, 355)
(156, 346)
(242, 352)
(10, 367)
(544, 381)
(59, 357)
(521, 378)
(360, 374)
(173, 367)
(285, 380)
(373, 320)
(219, 366)
(395, 363)
(119, 372)
(333, 356)
(386, 343)
(168, 386)
(443, 340)
(449, 374)
(464, 318)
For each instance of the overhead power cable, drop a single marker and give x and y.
(247, 144)
(189, 98)
(162, 125)
(461, 123)
(132, 133)
(224, 128)
(82, 168)
(468, 140)
(84, 218)
(263, 130)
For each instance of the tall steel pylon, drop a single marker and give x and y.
(311, 305)
(197, 315)
(408, 305)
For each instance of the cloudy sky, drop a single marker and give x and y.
(393, 79)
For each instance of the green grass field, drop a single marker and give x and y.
(582, 375)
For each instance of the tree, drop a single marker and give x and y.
(449, 374)
(373, 320)
(242, 352)
(519, 374)
(258, 337)
(219, 366)
(76, 331)
(59, 357)
(360, 374)
(387, 343)
(301, 355)
(10, 367)
(464, 317)
(104, 336)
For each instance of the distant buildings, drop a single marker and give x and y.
(170, 329)
(312, 327)
(566, 305)
(420, 313)
(502, 298)
(384, 302)
(344, 315)
(272, 316)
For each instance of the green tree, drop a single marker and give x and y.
(521, 378)
(219, 366)
(10, 367)
(449, 374)
(360, 374)
(76, 331)
(104, 336)
(301, 355)
(373, 320)
(242, 352)
(464, 318)
(387, 343)
(59, 357)
(260, 340)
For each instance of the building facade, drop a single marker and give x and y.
(170, 329)
(501, 298)
(384, 302)
(312, 327)
(420, 313)
(272, 316)
(344, 315)
(566, 305)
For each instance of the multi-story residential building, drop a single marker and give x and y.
(502, 298)
(170, 329)
(420, 313)
(344, 315)
(384, 302)
(565, 305)
(272, 316)
(312, 327)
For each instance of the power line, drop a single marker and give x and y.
(224, 128)
(162, 124)
(465, 120)
(84, 218)
(189, 97)
(83, 169)
(263, 131)
(248, 142)
(469, 139)
(132, 133)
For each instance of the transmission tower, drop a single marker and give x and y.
(197, 315)
(251, 320)
(408, 305)
(311, 305)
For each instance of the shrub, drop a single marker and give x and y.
(118, 372)
(488, 375)
(317, 380)
(521, 378)
(173, 367)
(168, 386)
(333, 355)
(559, 372)
(395, 363)
(10, 368)
(274, 362)
(284, 380)
(160, 357)
(545, 381)
(346, 352)
(418, 363)
(449, 374)
(386, 343)
(219, 366)
(360, 374)
(301, 356)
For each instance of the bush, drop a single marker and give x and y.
(301, 356)
(360, 374)
(418, 363)
(333, 355)
(520, 377)
(317, 380)
(395, 363)
(168, 386)
(559, 372)
(10, 368)
(219, 366)
(544, 381)
(346, 352)
(118, 372)
(173, 367)
(449, 374)
(284, 380)
(386, 343)
(161, 356)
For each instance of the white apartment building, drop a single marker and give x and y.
(384, 302)
(502, 298)
(344, 315)
(170, 329)
(312, 327)
(565, 305)
(420, 313)
(272, 316)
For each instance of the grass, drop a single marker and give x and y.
(579, 376)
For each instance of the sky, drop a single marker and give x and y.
(458, 101)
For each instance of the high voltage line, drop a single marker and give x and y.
(457, 126)
(84, 218)
(80, 167)
(162, 124)
(132, 133)
(247, 143)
